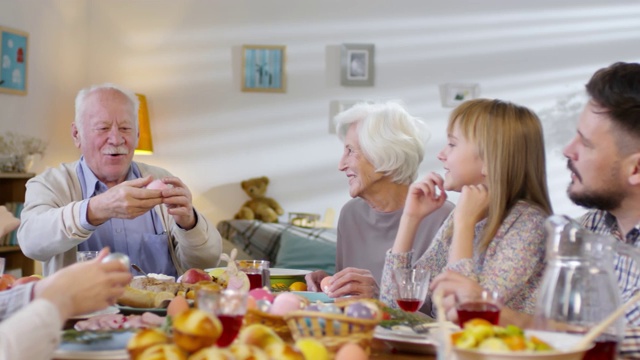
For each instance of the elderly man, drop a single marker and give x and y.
(383, 147)
(102, 200)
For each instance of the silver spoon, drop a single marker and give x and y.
(137, 268)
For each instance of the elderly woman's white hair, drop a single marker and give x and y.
(82, 95)
(390, 138)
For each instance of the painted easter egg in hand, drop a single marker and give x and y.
(157, 185)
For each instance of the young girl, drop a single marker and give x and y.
(494, 239)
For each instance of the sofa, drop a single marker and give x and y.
(284, 245)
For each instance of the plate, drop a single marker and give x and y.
(563, 343)
(106, 311)
(407, 342)
(127, 310)
(114, 348)
(280, 272)
(313, 296)
(275, 272)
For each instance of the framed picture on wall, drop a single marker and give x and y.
(13, 61)
(263, 68)
(453, 95)
(357, 64)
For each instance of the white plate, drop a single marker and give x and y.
(106, 311)
(277, 272)
(407, 342)
(91, 355)
(113, 349)
(287, 272)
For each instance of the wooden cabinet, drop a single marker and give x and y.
(12, 188)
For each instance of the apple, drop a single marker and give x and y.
(6, 281)
(25, 279)
(193, 276)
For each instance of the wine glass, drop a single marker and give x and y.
(412, 286)
(484, 305)
(229, 306)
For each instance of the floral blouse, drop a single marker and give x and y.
(513, 263)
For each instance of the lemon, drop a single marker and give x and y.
(298, 286)
(312, 349)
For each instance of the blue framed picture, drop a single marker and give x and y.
(13, 61)
(263, 68)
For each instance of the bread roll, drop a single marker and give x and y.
(213, 353)
(195, 329)
(163, 352)
(142, 298)
(143, 340)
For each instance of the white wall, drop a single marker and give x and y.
(56, 70)
(185, 56)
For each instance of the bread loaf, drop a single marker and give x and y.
(138, 298)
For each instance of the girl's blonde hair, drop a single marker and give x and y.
(511, 144)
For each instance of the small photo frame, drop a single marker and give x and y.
(335, 108)
(453, 95)
(357, 63)
(13, 61)
(263, 68)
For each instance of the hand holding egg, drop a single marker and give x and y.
(325, 284)
(123, 258)
(157, 184)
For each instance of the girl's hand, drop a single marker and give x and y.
(425, 196)
(472, 206)
(423, 199)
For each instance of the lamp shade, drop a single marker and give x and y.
(145, 144)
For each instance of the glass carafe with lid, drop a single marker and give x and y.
(579, 288)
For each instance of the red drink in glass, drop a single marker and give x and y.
(605, 348)
(478, 309)
(231, 325)
(410, 305)
(255, 280)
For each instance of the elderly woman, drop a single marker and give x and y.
(383, 147)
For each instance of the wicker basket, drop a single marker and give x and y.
(275, 322)
(333, 330)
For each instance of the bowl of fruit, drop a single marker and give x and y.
(480, 340)
(282, 279)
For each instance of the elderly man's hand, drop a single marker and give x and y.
(313, 280)
(127, 200)
(179, 203)
(354, 282)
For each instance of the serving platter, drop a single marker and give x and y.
(407, 342)
(113, 348)
(128, 310)
(106, 311)
(313, 296)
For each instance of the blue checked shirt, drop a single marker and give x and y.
(627, 271)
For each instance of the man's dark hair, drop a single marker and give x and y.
(617, 90)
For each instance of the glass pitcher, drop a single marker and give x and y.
(579, 288)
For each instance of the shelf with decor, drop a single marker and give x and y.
(12, 189)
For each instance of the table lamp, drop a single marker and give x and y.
(145, 145)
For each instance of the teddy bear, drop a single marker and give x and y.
(259, 207)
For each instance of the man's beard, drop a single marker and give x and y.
(605, 199)
(602, 200)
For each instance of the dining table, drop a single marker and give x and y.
(381, 350)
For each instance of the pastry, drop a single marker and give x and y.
(195, 329)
